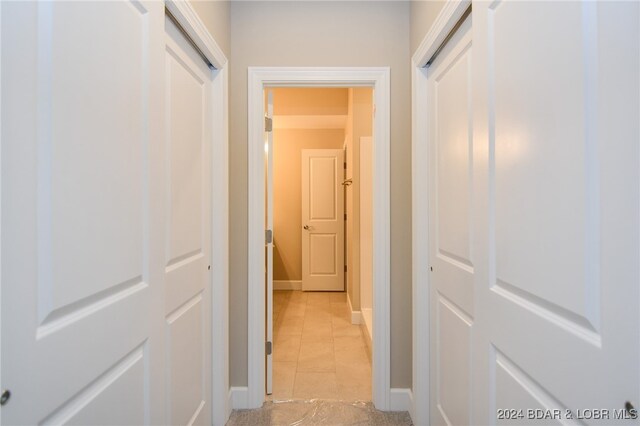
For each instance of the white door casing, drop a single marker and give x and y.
(188, 108)
(87, 200)
(322, 220)
(551, 320)
(259, 79)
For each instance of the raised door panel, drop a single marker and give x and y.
(322, 191)
(92, 155)
(546, 193)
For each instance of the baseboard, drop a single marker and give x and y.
(401, 399)
(356, 316)
(239, 395)
(287, 285)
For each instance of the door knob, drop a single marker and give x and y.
(306, 227)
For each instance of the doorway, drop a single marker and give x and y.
(259, 79)
(320, 348)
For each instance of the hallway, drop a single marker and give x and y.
(318, 353)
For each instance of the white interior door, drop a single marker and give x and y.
(556, 156)
(188, 231)
(451, 230)
(82, 245)
(269, 243)
(323, 220)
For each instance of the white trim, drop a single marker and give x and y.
(401, 399)
(238, 395)
(379, 79)
(287, 285)
(187, 17)
(356, 316)
(444, 23)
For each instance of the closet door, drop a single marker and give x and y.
(82, 244)
(451, 211)
(187, 180)
(556, 157)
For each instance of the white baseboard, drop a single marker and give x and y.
(356, 316)
(287, 285)
(401, 399)
(239, 395)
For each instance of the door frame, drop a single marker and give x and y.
(445, 22)
(260, 78)
(195, 28)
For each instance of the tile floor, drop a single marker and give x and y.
(317, 352)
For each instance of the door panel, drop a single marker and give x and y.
(554, 165)
(188, 150)
(450, 206)
(323, 216)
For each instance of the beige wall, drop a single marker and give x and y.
(287, 201)
(216, 16)
(309, 101)
(423, 13)
(323, 34)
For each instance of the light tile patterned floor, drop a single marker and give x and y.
(317, 352)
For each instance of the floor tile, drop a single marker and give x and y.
(313, 385)
(286, 347)
(317, 355)
(284, 375)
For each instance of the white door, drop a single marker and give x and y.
(104, 281)
(556, 100)
(322, 220)
(188, 232)
(535, 284)
(269, 242)
(82, 245)
(451, 230)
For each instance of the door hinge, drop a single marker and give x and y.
(345, 216)
(345, 268)
(268, 236)
(268, 124)
(269, 348)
